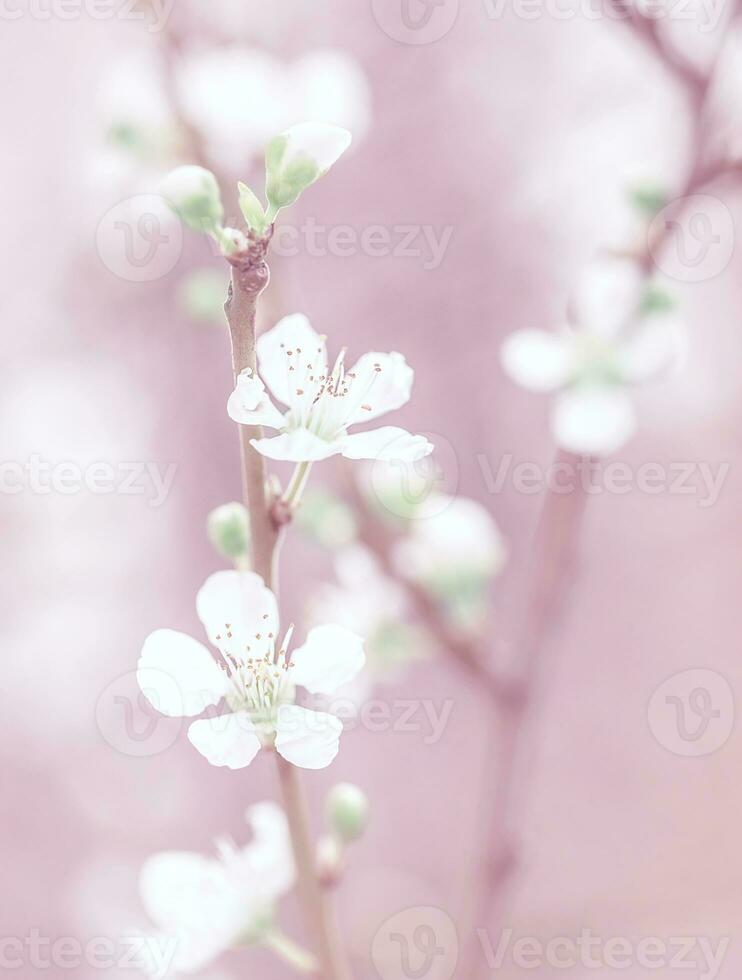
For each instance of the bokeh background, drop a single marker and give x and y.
(521, 136)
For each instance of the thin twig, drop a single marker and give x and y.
(549, 581)
(472, 656)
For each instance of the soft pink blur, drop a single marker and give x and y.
(521, 135)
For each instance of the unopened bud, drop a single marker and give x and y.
(228, 528)
(193, 193)
(300, 156)
(252, 210)
(347, 811)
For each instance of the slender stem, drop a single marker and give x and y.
(316, 900)
(470, 655)
(250, 276)
(290, 951)
(549, 580)
(296, 486)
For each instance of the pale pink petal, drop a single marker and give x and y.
(308, 739)
(608, 295)
(387, 443)
(293, 333)
(236, 608)
(267, 863)
(380, 383)
(172, 885)
(593, 420)
(658, 345)
(178, 675)
(331, 657)
(226, 740)
(249, 403)
(298, 446)
(538, 359)
(323, 142)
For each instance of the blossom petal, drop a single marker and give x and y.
(331, 657)
(538, 360)
(227, 740)
(305, 738)
(249, 403)
(381, 383)
(297, 446)
(197, 906)
(322, 142)
(386, 443)
(658, 345)
(608, 295)
(268, 860)
(172, 885)
(178, 675)
(293, 333)
(240, 604)
(593, 420)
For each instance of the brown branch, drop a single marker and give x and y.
(646, 29)
(472, 656)
(250, 276)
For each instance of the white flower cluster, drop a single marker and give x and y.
(623, 333)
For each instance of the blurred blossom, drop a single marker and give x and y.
(625, 333)
(326, 519)
(204, 906)
(255, 674)
(453, 548)
(138, 133)
(239, 98)
(368, 602)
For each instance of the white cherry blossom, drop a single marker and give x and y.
(203, 906)
(223, 93)
(614, 344)
(323, 402)
(254, 674)
(450, 539)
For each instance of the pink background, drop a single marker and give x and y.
(520, 134)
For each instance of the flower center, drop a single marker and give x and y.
(258, 673)
(325, 403)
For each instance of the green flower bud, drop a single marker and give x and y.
(252, 210)
(298, 157)
(346, 808)
(228, 528)
(193, 194)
